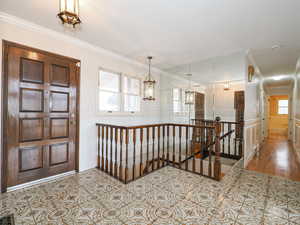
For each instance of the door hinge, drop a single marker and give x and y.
(78, 64)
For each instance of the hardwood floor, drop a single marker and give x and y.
(277, 158)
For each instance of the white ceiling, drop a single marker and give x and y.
(284, 83)
(277, 66)
(278, 61)
(175, 32)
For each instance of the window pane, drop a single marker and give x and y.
(177, 106)
(283, 110)
(131, 85)
(176, 94)
(283, 103)
(109, 81)
(109, 101)
(131, 103)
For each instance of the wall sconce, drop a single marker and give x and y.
(227, 86)
(251, 73)
(69, 12)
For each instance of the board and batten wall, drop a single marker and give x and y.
(92, 58)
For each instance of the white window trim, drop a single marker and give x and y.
(287, 107)
(182, 113)
(122, 94)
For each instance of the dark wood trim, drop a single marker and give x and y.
(77, 142)
(13, 44)
(3, 156)
(3, 160)
(154, 125)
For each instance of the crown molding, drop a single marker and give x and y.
(25, 24)
(226, 81)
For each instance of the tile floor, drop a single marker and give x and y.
(168, 196)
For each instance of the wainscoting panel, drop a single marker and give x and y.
(252, 133)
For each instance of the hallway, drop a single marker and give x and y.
(277, 158)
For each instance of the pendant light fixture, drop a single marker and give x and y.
(149, 84)
(69, 12)
(189, 94)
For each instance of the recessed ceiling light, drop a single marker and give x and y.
(277, 78)
(274, 47)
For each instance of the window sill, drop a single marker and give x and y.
(180, 113)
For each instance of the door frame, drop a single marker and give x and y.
(3, 156)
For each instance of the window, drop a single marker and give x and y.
(283, 107)
(131, 94)
(118, 92)
(109, 91)
(178, 100)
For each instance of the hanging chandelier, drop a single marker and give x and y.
(69, 12)
(149, 85)
(189, 94)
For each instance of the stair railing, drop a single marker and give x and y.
(130, 152)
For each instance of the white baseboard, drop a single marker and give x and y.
(47, 179)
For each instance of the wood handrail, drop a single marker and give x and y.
(206, 147)
(154, 125)
(211, 121)
(130, 152)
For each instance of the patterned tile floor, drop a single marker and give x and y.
(167, 196)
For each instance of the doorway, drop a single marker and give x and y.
(40, 115)
(278, 118)
(277, 156)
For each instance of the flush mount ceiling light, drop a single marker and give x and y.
(149, 84)
(277, 77)
(274, 47)
(69, 12)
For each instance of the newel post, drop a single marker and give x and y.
(217, 163)
(241, 138)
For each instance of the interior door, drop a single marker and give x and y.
(199, 106)
(199, 136)
(40, 119)
(239, 105)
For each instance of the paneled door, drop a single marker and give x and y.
(239, 106)
(199, 106)
(40, 93)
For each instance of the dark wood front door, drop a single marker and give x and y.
(40, 95)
